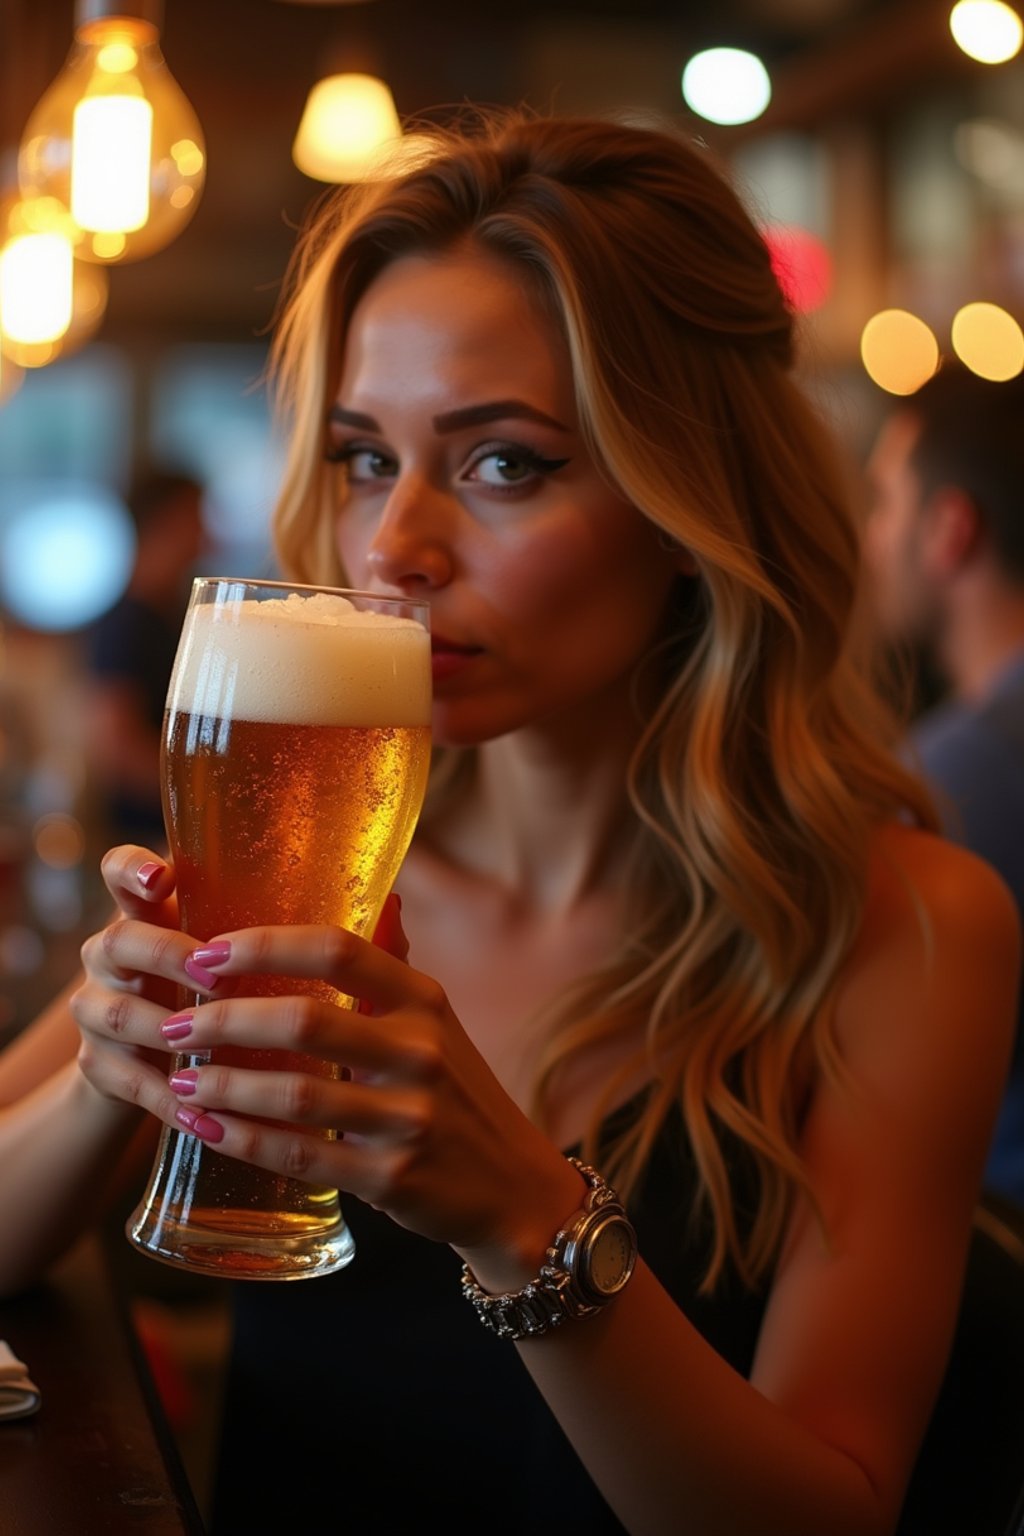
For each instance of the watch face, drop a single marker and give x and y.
(611, 1254)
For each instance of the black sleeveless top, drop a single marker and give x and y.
(373, 1400)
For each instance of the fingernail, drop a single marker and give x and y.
(187, 1117)
(178, 1026)
(201, 976)
(208, 1129)
(212, 954)
(184, 1081)
(148, 874)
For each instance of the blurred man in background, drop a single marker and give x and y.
(945, 545)
(130, 652)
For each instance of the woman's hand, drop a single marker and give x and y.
(135, 972)
(428, 1134)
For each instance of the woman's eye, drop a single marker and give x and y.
(362, 465)
(505, 467)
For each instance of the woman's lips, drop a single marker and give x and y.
(449, 657)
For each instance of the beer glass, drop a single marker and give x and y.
(296, 745)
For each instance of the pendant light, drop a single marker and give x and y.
(36, 267)
(114, 139)
(347, 121)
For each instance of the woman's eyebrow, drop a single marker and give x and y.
(353, 419)
(454, 421)
(493, 410)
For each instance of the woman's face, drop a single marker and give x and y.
(463, 479)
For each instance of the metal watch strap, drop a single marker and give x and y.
(549, 1299)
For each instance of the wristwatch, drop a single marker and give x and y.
(588, 1263)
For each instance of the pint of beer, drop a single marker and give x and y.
(295, 757)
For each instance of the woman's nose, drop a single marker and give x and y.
(411, 547)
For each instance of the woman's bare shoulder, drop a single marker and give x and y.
(939, 950)
(914, 873)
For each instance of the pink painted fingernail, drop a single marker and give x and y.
(208, 1129)
(212, 954)
(201, 976)
(187, 1117)
(148, 874)
(184, 1081)
(178, 1026)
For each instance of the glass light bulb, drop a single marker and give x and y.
(116, 141)
(89, 284)
(89, 292)
(36, 287)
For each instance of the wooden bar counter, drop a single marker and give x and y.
(98, 1456)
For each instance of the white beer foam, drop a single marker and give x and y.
(303, 661)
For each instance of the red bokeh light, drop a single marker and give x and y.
(802, 264)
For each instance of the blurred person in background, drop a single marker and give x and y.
(945, 543)
(130, 652)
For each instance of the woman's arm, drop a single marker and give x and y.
(60, 1146)
(58, 1141)
(860, 1317)
(62, 1139)
(39, 1050)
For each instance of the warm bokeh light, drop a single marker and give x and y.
(111, 144)
(986, 30)
(988, 341)
(90, 289)
(36, 287)
(346, 121)
(117, 57)
(59, 840)
(726, 85)
(802, 264)
(899, 351)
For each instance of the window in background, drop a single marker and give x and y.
(210, 415)
(70, 421)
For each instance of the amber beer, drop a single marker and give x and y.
(296, 749)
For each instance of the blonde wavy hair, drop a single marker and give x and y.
(764, 762)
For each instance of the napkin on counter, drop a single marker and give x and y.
(18, 1395)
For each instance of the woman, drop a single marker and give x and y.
(686, 915)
